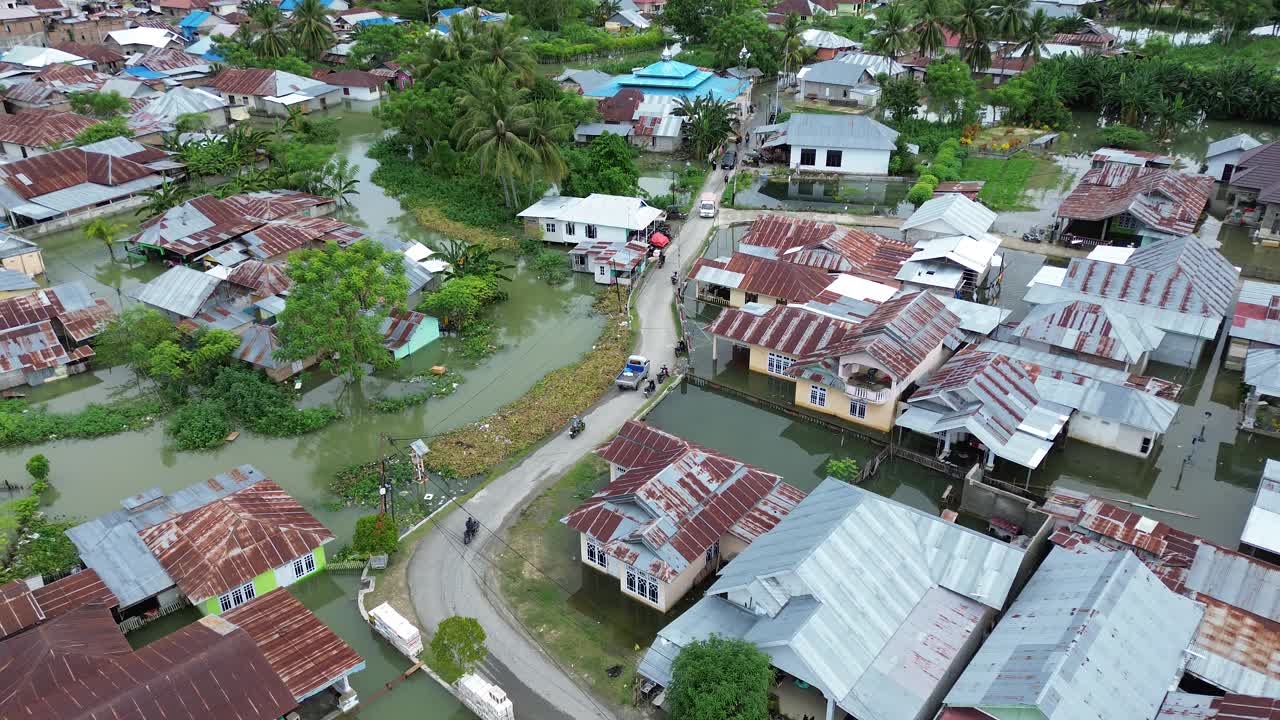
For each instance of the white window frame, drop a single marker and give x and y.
(237, 596)
(303, 566)
(595, 554)
(858, 409)
(592, 232)
(778, 364)
(550, 228)
(817, 396)
(642, 585)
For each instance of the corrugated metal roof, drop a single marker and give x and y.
(30, 348)
(399, 326)
(80, 667)
(864, 598)
(790, 330)
(300, 649)
(970, 253)
(180, 290)
(42, 128)
(1257, 314)
(952, 214)
(1241, 141)
(1090, 636)
(855, 132)
(68, 305)
(1262, 368)
(1262, 528)
(1158, 197)
(231, 540)
(13, 280)
(1236, 650)
(1091, 329)
(13, 245)
(18, 608)
(40, 178)
(1232, 706)
(1171, 320)
(773, 278)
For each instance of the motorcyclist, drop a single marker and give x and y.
(675, 278)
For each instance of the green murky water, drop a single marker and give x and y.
(540, 328)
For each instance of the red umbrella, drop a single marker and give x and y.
(659, 240)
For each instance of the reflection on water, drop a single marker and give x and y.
(866, 196)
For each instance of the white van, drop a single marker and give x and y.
(707, 205)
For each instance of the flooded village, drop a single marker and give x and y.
(639, 359)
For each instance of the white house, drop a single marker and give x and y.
(958, 266)
(357, 84)
(845, 144)
(610, 263)
(1060, 8)
(607, 218)
(948, 216)
(274, 92)
(1221, 157)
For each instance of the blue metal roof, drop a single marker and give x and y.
(668, 69)
(449, 12)
(377, 21)
(723, 89)
(145, 74)
(194, 18)
(289, 5)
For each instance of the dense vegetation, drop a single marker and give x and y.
(720, 679)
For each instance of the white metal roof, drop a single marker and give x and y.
(1242, 141)
(179, 290)
(38, 57)
(852, 286)
(153, 36)
(973, 253)
(1171, 321)
(1111, 254)
(952, 214)
(976, 317)
(1262, 529)
(631, 213)
(825, 39)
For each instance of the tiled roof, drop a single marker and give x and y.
(229, 541)
(1259, 169)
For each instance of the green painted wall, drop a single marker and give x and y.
(263, 584)
(426, 334)
(1013, 713)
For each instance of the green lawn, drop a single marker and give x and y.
(1007, 180)
(1263, 51)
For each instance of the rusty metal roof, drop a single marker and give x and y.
(42, 128)
(788, 329)
(399, 326)
(18, 608)
(639, 444)
(1235, 649)
(763, 276)
(826, 246)
(1090, 328)
(261, 277)
(231, 540)
(67, 168)
(1232, 706)
(97, 52)
(73, 591)
(170, 59)
(898, 335)
(306, 654)
(661, 515)
(1179, 274)
(80, 667)
(31, 347)
(1161, 198)
(206, 222)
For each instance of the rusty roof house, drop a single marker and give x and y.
(1236, 646)
(1132, 198)
(44, 335)
(862, 604)
(1255, 346)
(1254, 191)
(672, 512)
(1093, 636)
(66, 187)
(1180, 287)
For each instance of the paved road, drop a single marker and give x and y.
(447, 578)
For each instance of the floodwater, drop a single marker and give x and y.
(867, 196)
(540, 328)
(1213, 479)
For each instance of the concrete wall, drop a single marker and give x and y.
(266, 582)
(854, 162)
(1217, 167)
(1180, 350)
(361, 93)
(985, 501)
(18, 152)
(836, 93)
(561, 234)
(653, 143)
(738, 298)
(31, 263)
(80, 218)
(1110, 434)
(880, 417)
(27, 31)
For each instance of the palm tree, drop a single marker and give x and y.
(972, 24)
(1009, 18)
(501, 45)
(338, 180)
(272, 41)
(469, 259)
(893, 35)
(1173, 115)
(707, 122)
(791, 28)
(105, 231)
(1038, 33)
(310, 28)
(604, 10)
(160, 199)
(492, 128)
(930, 27)
(548, 130)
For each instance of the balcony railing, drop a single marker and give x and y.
(875, 396)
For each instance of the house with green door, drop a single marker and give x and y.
(216, 544)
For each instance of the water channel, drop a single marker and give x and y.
(540, 328)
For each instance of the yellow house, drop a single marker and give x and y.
(20, 255)
(854, 369)
(673, 513)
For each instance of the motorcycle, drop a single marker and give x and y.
(663, 374)
(1034, 235)
(682, 348)
(576, 426)
(469, 534)
(648, 389)
(675, 279)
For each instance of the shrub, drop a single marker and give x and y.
(38, 467)
(375, 535)
(845, 469)
(457, 647)
(265, 407)
(200, 425)
(1123, 136)
(919, 194)
(552, 266)
(479, 340)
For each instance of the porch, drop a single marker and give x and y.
(797, 700)
(869, 385)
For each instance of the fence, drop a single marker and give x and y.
(873, 466)
(137, 621)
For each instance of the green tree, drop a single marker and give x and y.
(102, 105)
(473, 259)
(720, 679)
(1036, 35)
(457, 648)
(38, 467)
(845, 469)
(376, 44)
(375, 535)
(546, 133)
(708, 123)
(339, 300)
(500, 45)
(604, 10)
(460, 300)
(338, 180)
(729, 34)
(607, 166)
(115, 127)
(552, 266)
(1009, 18)
(492, 126)
(105, 232)
(272, 39)
(951, 85)
(899, 96)
(191, 122)
(972, 23)
(1123, 136)
(931, 24)
(310, 28)
(893, 35)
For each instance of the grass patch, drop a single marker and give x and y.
(1261, 51)
(22, 424)
(1006, 180)
(436, 221)
(577, 640)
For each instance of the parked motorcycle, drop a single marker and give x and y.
(663, 374)
(1034, 235)
(576, 426)
(469, 534)
(649, 388)
(682, 348)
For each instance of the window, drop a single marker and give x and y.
(595, 554)
(808, 156)
(346, 91)
(549, 227)
(1126, 221)
(304, 565)
(753, 297)
(857, 409)
(237, 597)
(778, 364)
(581, 260)
(591, 232)
(834, 158)
(642, 584)
(713, 552)
(817, 396)
(1146, 446)
(570, 229)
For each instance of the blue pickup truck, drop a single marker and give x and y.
(635, 372)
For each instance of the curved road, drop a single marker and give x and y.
(447, 578)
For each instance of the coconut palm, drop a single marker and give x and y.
(1036, 35)
(492, 128)
(893, 35)
(930, 27)
(972, 23)
(604, 10)
(707, 123)
(469, 259)
(1009, 18)
(272, 40)
(310, 28)
(501, 45)
(105, 232)
(549, 129)
(791, 28)
(338, 180)
(160, 199)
